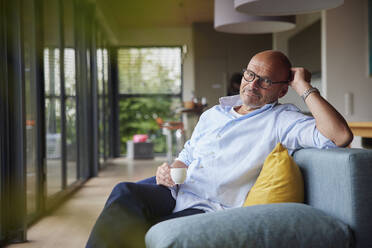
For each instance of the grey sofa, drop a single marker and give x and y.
(337, 211)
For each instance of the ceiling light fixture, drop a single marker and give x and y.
(227, 19)
(284, 7)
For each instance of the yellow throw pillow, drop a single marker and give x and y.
(280, 180)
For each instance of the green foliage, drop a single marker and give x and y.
(149, 70)
(138, 116)
(152, 70)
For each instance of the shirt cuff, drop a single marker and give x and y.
(324, 142)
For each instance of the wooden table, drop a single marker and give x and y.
(363, 129)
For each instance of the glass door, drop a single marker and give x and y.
(28, 21)
(52, 60)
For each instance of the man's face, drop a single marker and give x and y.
(252, 95)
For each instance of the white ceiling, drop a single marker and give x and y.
(126, 14)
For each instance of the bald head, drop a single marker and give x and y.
(275, 61)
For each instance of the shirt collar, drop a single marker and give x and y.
(230, 101)
(233, 101)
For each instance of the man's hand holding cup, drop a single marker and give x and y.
(169, 176)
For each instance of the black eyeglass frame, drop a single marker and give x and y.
(260, 79)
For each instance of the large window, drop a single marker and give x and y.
(47, 106)
(150, 88)
(155, 70)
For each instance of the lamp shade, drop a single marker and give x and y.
(284, 7)
(227, 19)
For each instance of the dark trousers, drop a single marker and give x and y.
(131, 209)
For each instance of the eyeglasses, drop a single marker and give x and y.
(263, 82)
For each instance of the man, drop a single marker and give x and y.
(226, 152)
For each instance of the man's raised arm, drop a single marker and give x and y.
(328, 121)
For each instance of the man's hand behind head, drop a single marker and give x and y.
(300, 79)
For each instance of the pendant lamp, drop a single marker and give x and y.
(227, 19)
(284, 7)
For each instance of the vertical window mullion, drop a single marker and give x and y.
(40, 106)
(16, 211)
(113, 96)
(63, 94)
(3, 121)
(94, 99)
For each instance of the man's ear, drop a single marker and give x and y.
(283, 91)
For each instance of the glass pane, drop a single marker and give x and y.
(137, 115)
(71, 140)
(101, 128)
(106, 103)
(149, 70)
(54, 145)
(52, 71)
(106, 128)
(101, 107)
(69, 38)
(52, 92)
(105, 68)
(70, 91)
(100, 71)
(31, 111)
(70, 72)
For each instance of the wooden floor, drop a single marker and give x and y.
(70, 225)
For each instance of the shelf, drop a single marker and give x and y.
(196, 110)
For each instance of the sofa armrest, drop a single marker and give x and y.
(339, 182)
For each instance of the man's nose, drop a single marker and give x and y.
(255, 83)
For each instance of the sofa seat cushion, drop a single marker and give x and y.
(279, 225)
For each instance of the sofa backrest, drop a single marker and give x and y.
(339, 182)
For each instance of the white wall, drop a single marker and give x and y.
(165, 37)
(219, 55)
(280, 40)
(345, 58)
(280, 43)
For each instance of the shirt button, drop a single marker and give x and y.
(192, 181)
(218, 136)
(201, 166)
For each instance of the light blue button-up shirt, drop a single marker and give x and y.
(225, 153)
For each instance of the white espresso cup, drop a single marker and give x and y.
(178, 175)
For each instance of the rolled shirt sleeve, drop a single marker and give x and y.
(186, 154)
(297, 130)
